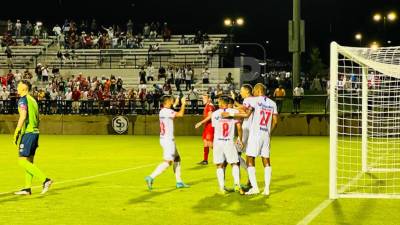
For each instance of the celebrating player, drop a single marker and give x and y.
(26, 138)
(265, 117)
(224, 146)
(167, 141)
(208, 132)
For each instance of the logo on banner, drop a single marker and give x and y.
(120, 124)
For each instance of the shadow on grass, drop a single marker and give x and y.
(36, 194)
(149, 195)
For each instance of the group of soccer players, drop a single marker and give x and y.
(251, 121)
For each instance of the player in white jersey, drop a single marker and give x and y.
(224, 144)
(265, 117)
(167, 141)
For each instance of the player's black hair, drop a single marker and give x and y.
(231, 101)
(27, 83)
(248, 87)
(224, 99)
(166, 98)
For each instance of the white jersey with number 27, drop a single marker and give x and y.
(263, 110)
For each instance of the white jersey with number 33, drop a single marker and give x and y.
(224, 129)
(167, 123)
(263, 110)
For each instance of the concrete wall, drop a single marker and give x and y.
(299, 125)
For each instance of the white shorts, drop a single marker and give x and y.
(225, 151)
(258, 147)
(169, 149)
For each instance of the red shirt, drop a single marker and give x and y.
(76, 95)
(209, 107)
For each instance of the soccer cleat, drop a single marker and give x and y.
(181, 185)
(46, 185)
(149, 181)
(266, 192)
(229, 189)
(204, 163)
(253, 191)
(25, 191)
(238, 189)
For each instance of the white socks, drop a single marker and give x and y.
(236, 174)
(177, 171)
(267, 176)
(252, 176)
(242, 163)
(221, 178)
(160, 168)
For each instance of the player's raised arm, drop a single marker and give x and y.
(245, 113)
(181, 112)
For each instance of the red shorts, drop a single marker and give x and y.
(208, 133)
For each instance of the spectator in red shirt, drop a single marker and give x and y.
(35, 41)
(10, 77)
(76, 96)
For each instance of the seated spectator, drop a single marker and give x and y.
(206, 37)
(153, 35)
(167, 89)
(229, 79)
(202, 49)
(198, 38)
(35, 41)
(27, 40)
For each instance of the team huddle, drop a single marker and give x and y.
(250, 123)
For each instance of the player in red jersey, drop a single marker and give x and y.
(208, 132)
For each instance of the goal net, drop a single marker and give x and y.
(364, 122)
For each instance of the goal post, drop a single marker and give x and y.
(364, 122)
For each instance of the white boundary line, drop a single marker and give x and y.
(92, 177)
(315, 212)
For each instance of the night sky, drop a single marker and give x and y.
(326, 20)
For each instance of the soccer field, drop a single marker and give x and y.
(100, 180)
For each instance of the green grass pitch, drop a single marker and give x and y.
(100, 180)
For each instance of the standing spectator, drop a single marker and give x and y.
(298, 94)
(142, 99)
(146, 30)
(229, 79)
(183, 40)
(53, 100)
(194, 98)
(68, 101)
(45, 73)
(129, 27)
(84, 100)
(178, 78)
(188, 78)
(170, 75)
(18, 27)
(279, 95)
(9, 25)
(206, 75)
(4, 97)
(17, 76)
(93, 26)
(57, 33)
(162, 73)
(150, 72)
(28, 28)
(142, 76)
(119, 84)
(166, 33)
(76, 96)
(156, 101)
(9, 54)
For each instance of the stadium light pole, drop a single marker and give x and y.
(296, 41)
(389, 17)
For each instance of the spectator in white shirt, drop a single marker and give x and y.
(202, 49)
(150, 72)
(18, 27)
(188, 78)
(17, 76)
(298, 94)
(206, 75)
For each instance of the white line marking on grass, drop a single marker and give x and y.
(315, 212)
(91, 177)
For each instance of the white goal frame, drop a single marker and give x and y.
(336, 191)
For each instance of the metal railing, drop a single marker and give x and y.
(308, 104)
